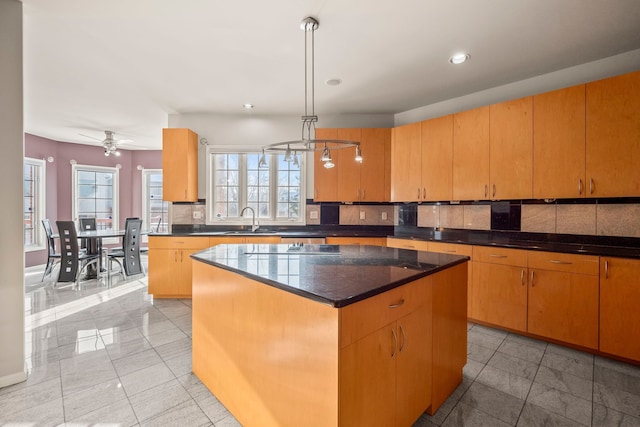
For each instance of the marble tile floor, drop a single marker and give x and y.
(114, 356)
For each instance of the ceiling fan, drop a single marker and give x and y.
(109, 143)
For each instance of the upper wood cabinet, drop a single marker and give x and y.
(559, 144)
(437, 159)
(471, 154)
(511, 149)
(179, 165)
(406, 168)
(613, 136)
(351, 181)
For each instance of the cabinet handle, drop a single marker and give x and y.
(532, 282)
(580, 186)
(398, 304)
(395, 342)
(403, 338)
(591, 185)
(485, 190)
(424, 193)
(418, 197)
(497, 256)
(175, 256)
(555, 261)
(451, 251)
(522, 277)
(606, 269)
(363, 193)
(493, 192)
(181, 256)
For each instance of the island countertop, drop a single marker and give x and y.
(337, 275)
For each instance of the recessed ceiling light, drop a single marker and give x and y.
(459, 58)
(247, 106)
(333, 82)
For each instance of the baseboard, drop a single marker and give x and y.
(12, 379)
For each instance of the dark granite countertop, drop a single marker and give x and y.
(338, 275)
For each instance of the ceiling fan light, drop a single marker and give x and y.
(262, 163)
(287, 155)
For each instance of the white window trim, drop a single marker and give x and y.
(145, 202)
(210, 216)
(116, 195)
(40, 205)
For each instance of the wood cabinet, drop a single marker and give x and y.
(471, 154)
(511, 146)
(374, 241)
(325, 181)
(619, 314)
(170, 265)
(179, 165)
(352, 181)
(563, 297)
(498, 294)
(415, 245)
(437, 159)
(406, 157)
(613, 136)
(559, 144)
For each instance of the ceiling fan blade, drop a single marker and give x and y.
(91, 137)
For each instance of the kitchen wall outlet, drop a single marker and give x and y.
(384, 216)
(313, 215)
(362, 215)
(197, 215)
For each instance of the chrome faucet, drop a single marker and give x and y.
(254, 226)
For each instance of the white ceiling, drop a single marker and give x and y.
(123, 65)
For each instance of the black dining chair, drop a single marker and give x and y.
(87, 224)
(52, 256)
(130, 251)
(72, 262)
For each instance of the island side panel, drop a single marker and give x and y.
(258, 349)
(449, 317)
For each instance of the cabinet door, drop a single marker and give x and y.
(471, 154)
(348, 169)
(375, 170)
(619, 314)
(405, 163)
(499, 295)
(511, 149)
(413, 366)
(613, 136)
(325, 181)
(415, 245)
(564, 306)
(373, 241)
(559, 143)
(163, 272)
(179, 165)
(437, 158)
(186, 274)
(368, 380)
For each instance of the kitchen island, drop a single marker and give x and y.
(327, 335)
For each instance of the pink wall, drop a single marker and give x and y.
(59, 182)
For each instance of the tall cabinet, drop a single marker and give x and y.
(437, 158)
(471, 154)
(179, 165)
(406, 163)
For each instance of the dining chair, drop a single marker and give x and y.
(87, 224)
(130, 251)
(52, 256)
(72, 262)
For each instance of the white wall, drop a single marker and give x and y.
(11, 170)
(253, 130)
(596, 70)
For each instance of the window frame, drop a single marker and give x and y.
(40, 204)
(211, 151)
(146, 217)
(115, 194)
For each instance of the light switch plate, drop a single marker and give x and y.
(313, 215)
(384, 216)
(197, 215)
(362, 215)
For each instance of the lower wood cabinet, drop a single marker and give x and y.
(373, 241)
(170, 265)
(499, 287)
(415, 245)
(619, 313)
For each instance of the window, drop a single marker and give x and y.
(155, 211)
(274, 191)
(95, 195)
(34, 204)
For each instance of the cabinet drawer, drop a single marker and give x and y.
(177, 242)
(504, 256)
(451, 248)
(570, 263)
(362, 318)
(416, 245)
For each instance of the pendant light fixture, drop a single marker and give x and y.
(307, 142)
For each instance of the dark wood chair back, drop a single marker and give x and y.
(68, 251)
(131, 246)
